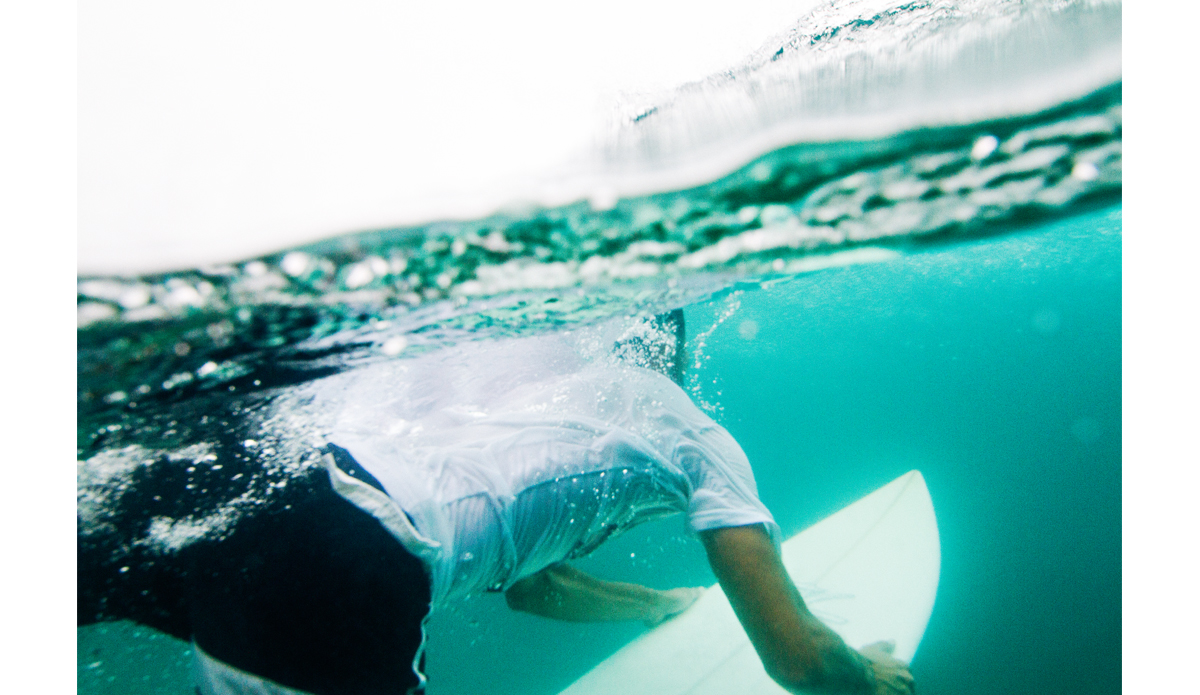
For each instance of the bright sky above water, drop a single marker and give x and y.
(214, 131)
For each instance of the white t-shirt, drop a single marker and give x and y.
(510, 456)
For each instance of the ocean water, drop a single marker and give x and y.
(944, 296)
(992, 367)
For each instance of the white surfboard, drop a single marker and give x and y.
(869, 571)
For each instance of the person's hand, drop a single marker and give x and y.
(891, 674)
(673, 602)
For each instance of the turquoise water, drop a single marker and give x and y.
(995, 369)
(992, 366)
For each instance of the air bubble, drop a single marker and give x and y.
(1085, 171)
(295, 263)
(984, 146)
(394, 346)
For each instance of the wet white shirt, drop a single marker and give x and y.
(510, 456)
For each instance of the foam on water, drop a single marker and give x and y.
(866, 69)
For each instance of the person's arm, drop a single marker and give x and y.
(565, 593)
(798, 651)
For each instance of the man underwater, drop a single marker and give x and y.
(483, 467)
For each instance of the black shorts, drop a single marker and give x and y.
(306, 590)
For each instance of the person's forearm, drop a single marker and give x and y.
(835, 667)
(565, 593)
(814, 658)
(798, 651)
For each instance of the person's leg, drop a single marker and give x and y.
(138, 586)
(315, 596)
(268, 572)
(128, 566)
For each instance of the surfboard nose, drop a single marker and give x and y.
(869, 571)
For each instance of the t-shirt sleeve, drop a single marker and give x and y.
(723, 489)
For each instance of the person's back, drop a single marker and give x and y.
(513, 455)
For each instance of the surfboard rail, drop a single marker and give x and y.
(869, 571)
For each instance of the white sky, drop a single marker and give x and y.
(217, 130)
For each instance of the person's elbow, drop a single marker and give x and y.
(518, 597)
(528, 595)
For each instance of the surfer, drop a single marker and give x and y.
(485, 467)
